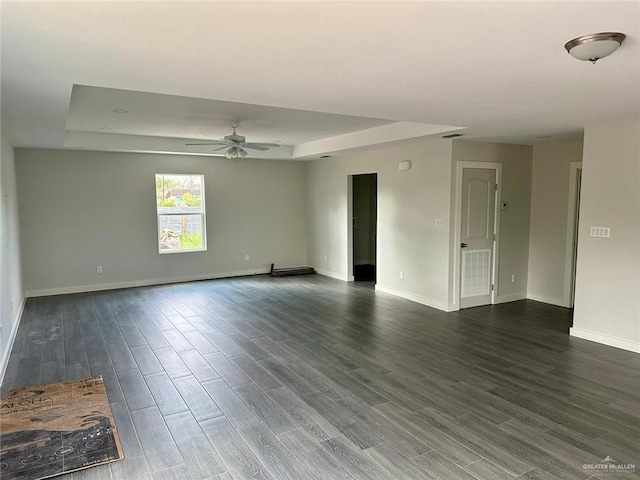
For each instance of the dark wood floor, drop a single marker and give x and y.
(312, 378)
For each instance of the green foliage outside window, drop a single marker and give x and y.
(167, 202)
(191, 201)
(166, 183)
(190, 240)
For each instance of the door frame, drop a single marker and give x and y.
(349, 224)
(350, 275)
(572, 234)
(495, 260)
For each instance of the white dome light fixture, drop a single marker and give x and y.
(595, 46)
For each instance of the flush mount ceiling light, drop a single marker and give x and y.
(595, 46)
(235, 153)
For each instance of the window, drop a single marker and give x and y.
(180, 207)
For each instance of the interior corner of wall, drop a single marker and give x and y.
(622, 343)
(4, 361)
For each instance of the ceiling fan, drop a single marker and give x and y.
(236, 144)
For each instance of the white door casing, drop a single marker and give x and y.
(571, 250)
(477, 233)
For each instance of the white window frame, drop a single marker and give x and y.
(202, 214)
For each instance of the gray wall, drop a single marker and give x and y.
(11, 289)
(409, 203)
(607, 308)
(514, 222)
(548, 255)
(81, 209)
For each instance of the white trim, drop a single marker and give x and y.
(455, 288)
(350, 272)
(445, 307)
(605, 339)
(337, 276)
(143, 283)
(560, 302)
(510, 297)
(12, 338)
(202, 213)
(572, 233)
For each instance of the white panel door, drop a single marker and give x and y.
(477, 236)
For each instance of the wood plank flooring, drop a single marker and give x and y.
(311, 378)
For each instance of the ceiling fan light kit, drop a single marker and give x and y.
(235, 152)
(594, 46)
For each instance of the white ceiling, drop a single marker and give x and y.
(341, 74)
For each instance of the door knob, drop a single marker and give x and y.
(463, 245)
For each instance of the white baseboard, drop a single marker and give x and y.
(328, 273)
(418, 299)
(511, 297)
(4, 362)
(550, 300)
(605, 339)
(143, 283)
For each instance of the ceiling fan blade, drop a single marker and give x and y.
(219, 148)
(258, 144)
(253, 146)
(209, 143)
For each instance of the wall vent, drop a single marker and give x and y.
(476, 273)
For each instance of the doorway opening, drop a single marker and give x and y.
(364, 226)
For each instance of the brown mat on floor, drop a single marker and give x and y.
(281, 272)
(47, 430)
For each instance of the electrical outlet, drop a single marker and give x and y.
(438, 223)
(513, 278)
(401, 275)
(99, 269)
(246, 258)
(604, 232)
